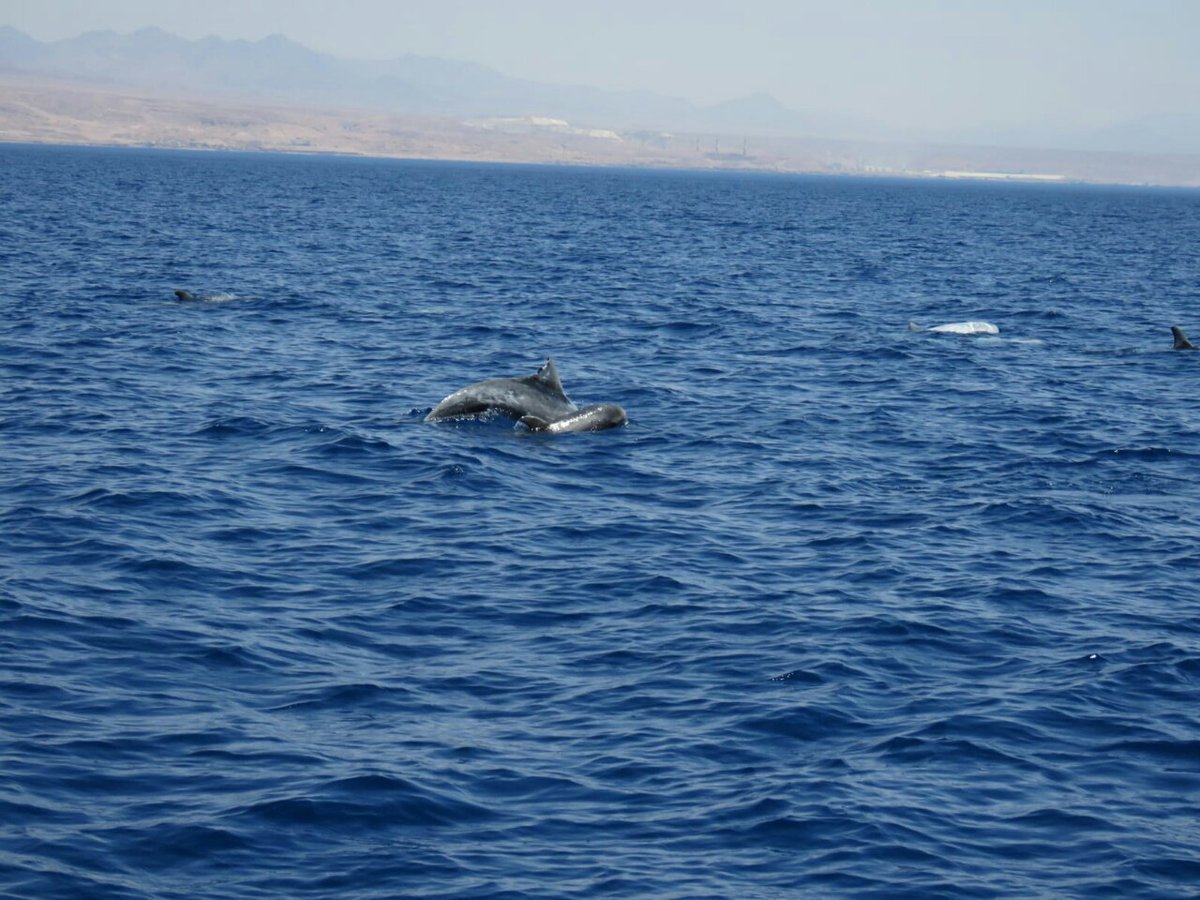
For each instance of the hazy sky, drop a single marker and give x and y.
(935, 64)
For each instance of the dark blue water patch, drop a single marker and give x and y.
(845, 610)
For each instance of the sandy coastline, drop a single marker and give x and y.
(63, 112)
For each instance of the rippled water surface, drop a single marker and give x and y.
(844, 610)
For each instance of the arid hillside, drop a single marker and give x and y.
(35, 110)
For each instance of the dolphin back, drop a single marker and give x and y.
(216, 297)
(595, 417)
(963, 328)
(540, 395)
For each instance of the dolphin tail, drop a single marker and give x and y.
(1181, 339)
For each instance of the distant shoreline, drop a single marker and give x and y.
(48, 112)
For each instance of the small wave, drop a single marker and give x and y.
(343, 696)
(1148, 453)
(231, 657)
(234, 426)
(368, 802)
(166, 568)
(127, 501)
(1183, 870)
(1169, 751)
(166, 846)
(1049, 314)
(450, 284)
(957, 752)
(807, 724)
(1053, 279)
(395, 567)
(353, 443)
(799, 676)
(1056, 820)
(687, 328)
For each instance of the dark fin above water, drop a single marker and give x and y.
(1181, 339)
(184, 295)
(547, 376)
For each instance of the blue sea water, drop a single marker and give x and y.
(845, 610)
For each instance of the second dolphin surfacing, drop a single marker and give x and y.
(538, 401)
(957, 328)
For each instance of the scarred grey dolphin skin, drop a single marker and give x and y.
(596, 417)
(218, 297)
(1181, 340)
(540, 394)
(538, 398)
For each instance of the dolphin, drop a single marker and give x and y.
(595, 417)
(538, 401)
(958, 328)
(1181, 339)
(219, 297)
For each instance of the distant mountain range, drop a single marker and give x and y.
(278, 69)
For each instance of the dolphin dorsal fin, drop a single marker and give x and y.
(547, 376)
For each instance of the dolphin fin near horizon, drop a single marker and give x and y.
(1181, 339)
(537, 401)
